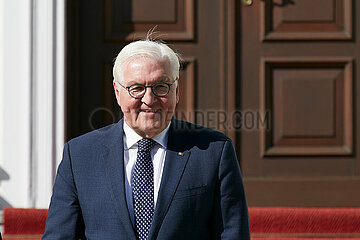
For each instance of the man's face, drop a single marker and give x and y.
(149, 115)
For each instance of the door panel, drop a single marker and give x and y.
(131, 19)
(306, 20)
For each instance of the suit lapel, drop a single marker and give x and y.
(176, 158)
(175, 162)
(114, 164)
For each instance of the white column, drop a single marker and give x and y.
(15, 102)
(60, 81)
(31, 99)
(1, 81)
(47, 97)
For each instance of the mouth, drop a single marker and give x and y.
(148, 111)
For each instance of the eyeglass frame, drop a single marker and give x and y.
(147, 86)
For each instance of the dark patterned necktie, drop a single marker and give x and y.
(143, 188)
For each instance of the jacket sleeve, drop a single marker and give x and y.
(64, 219)
(231, 220)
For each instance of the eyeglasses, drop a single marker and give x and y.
(160, 89)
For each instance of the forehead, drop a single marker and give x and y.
(146, 68)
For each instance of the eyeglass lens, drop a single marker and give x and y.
(159, 89)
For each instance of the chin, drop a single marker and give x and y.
(152, 126)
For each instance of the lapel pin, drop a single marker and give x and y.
(181, 154)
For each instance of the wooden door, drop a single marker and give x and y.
(299, 67)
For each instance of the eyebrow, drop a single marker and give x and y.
(163, 79)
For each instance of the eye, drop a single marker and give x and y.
(136, 88)
(161, 88)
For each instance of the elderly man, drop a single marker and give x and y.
(149, 176)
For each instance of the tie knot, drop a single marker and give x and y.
(145, 144)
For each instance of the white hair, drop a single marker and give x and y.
(146, 48)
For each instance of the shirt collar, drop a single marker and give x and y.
(131, 137)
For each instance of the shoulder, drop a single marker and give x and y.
(196, 133)
(194, 129)
(98, 138)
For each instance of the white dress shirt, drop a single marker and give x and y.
(158, 154)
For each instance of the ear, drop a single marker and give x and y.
(117, 93)
(177, 93)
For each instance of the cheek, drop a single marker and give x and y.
(171, 101)
(128, 105)
(167, 104)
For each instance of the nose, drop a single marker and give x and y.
(149, 98)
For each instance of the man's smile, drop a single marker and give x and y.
(148, 110)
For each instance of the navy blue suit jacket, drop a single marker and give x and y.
(201, 194)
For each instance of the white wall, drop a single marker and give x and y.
(32, 99)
